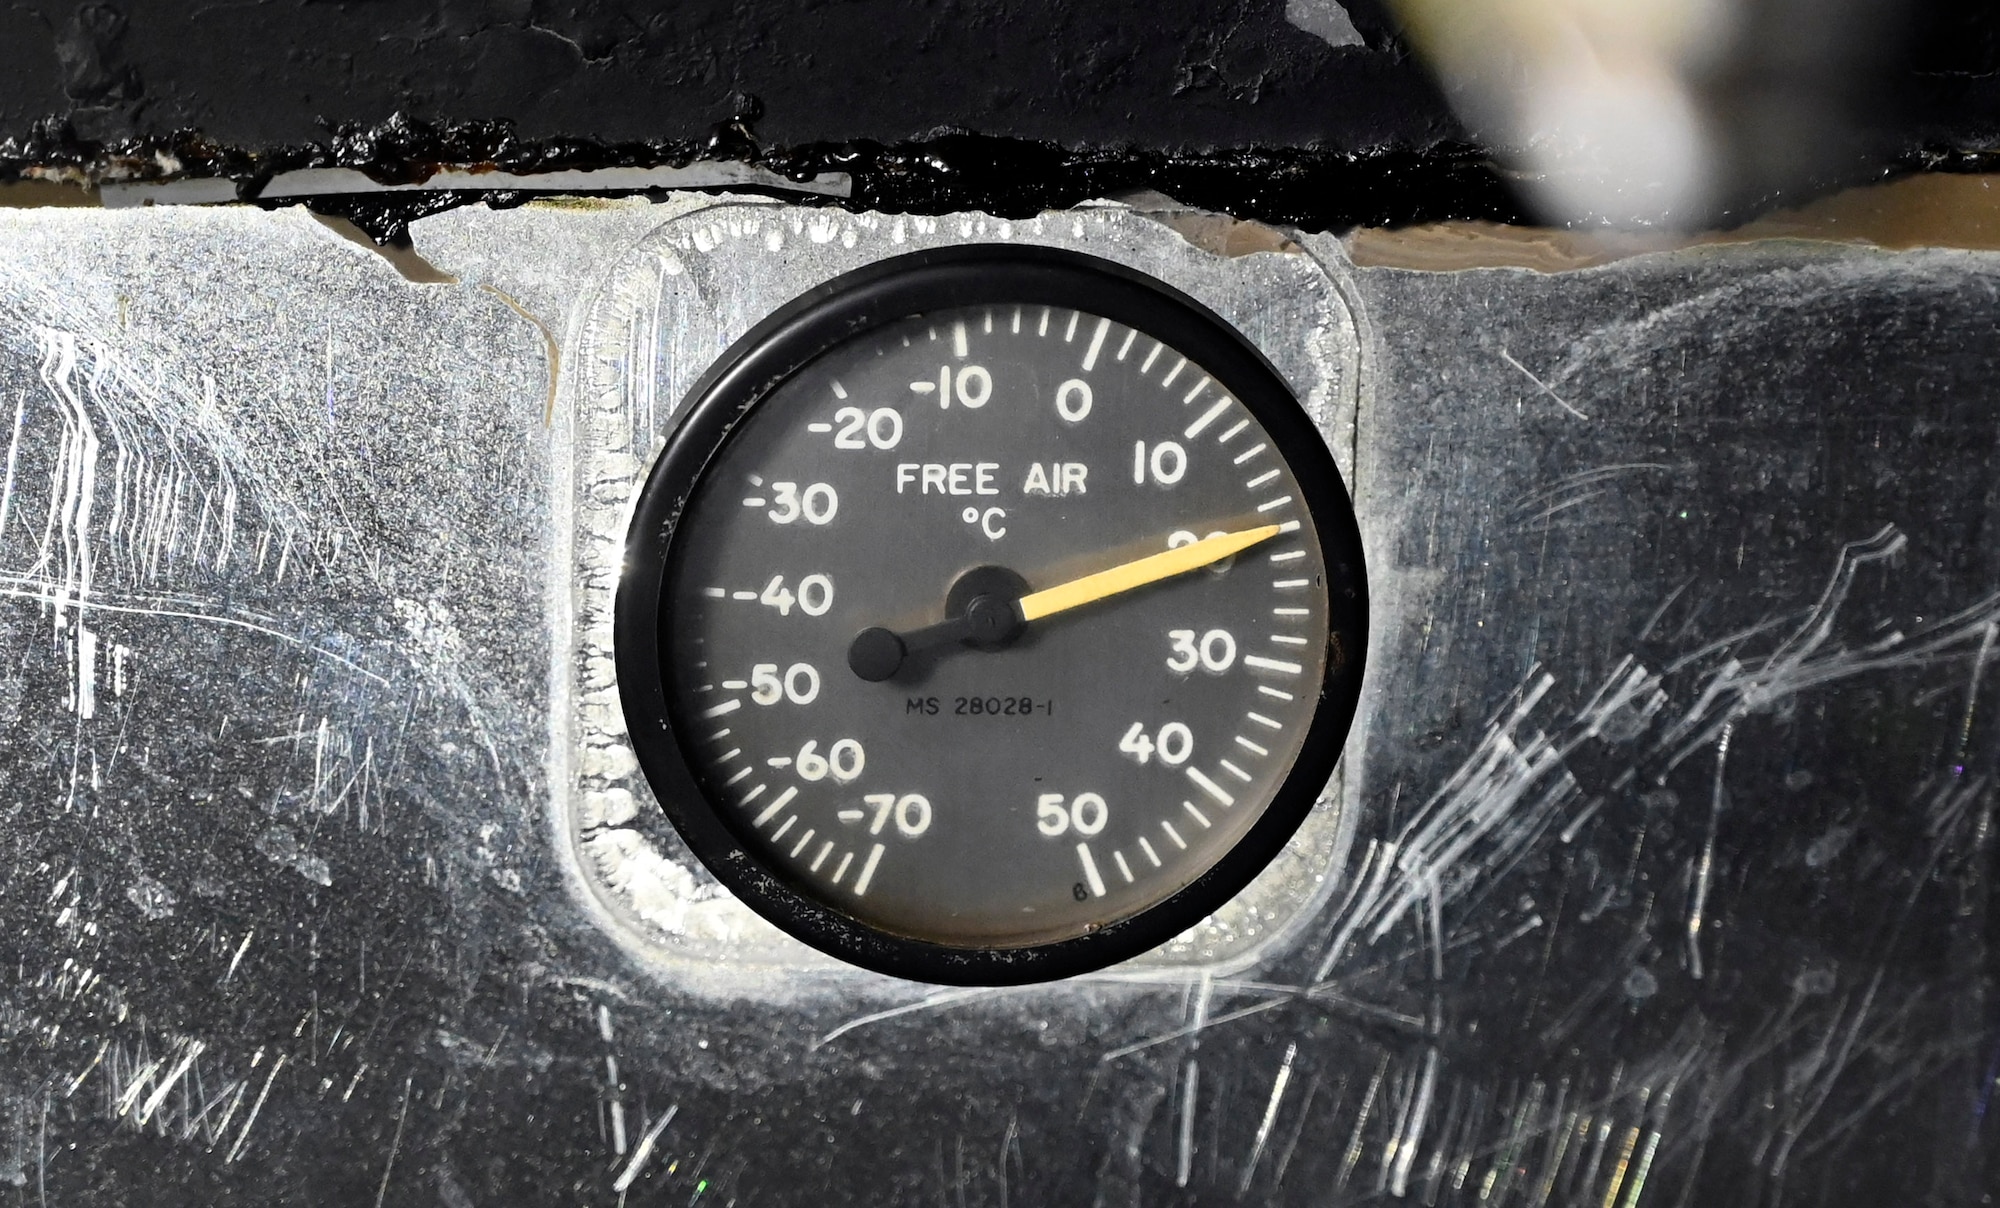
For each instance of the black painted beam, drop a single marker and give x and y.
(1010, 106)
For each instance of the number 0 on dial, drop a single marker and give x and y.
(992, 615)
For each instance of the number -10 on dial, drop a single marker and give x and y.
(992, 615)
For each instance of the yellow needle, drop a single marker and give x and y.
(1141, 571)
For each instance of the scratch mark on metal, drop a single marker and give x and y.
(1972, 694)
(1353, 1155)
(1542, 385)
(1403, 1149)
(250, 1120)
(1624, 1162)
(550, 345)
(1299, 1128)
(1010, 1146)
(238, 958)
(1705, 866)
(395, 1144)
(166, 1084)
(1660, 612)
(1193, 1028)
(942, 999)
(102, 605)
(644, 1151)
(85, 1072)
(1270, 1119)
(13, 452)
(1184, 1161)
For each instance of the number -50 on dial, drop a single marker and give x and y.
(992, 615)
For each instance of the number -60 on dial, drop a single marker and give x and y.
(992, 615)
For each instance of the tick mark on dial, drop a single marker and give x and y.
(1096, 344)
(1209, 786)
(1124, 869)
(771, 811)
(1206, 418)
(867, 871)
(1090, 872)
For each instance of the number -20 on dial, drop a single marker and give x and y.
(992, 615)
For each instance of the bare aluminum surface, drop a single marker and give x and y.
(656, 320)
(1672, 881)
(319, 182)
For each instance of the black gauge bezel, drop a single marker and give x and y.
(840, 311)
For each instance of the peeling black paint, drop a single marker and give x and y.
(930, 105)
(1316, 189)
(266, 74)
(1313, 189)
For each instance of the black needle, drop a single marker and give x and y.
(982, 610)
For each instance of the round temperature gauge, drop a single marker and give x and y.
(992, 615)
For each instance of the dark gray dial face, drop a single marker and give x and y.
(1075, 772)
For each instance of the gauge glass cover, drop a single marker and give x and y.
(898, 651)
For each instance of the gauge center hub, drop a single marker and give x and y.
(986, 597)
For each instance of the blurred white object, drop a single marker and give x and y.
(1671, 113)
(1325, 19)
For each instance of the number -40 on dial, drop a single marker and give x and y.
(992, 615)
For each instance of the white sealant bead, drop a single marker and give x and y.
(609, 807)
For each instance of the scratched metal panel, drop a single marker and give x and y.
(1672, 877)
